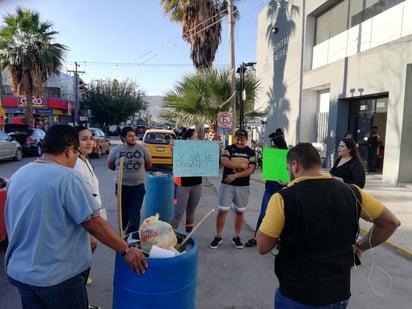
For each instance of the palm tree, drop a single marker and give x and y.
(201, 27)
(29, 55)
(201, 96)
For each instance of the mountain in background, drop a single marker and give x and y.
(155, 106)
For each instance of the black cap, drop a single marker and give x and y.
(241, 133)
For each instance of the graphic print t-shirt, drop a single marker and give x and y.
(134, 172)
(243, 155)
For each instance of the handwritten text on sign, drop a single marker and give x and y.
(195, 158)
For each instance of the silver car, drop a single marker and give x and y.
(9, 149)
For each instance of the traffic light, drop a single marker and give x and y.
(82, 86)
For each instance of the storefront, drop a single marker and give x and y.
(46, 111)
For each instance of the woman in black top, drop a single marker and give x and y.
(188, 192)
(348, 167)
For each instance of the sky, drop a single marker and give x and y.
(134, 39)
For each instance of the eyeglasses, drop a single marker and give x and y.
(76, 150)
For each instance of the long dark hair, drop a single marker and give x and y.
(354, 152)
(189, 133)
(279, 142)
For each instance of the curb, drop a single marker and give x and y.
(392, 246)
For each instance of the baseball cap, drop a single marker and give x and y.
(241, 133)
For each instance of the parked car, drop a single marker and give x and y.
(140, 131)
(102, 142)
(3, 232)
(30, 139)
(157, 142)
(9, 149)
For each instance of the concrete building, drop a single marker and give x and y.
(332, 66)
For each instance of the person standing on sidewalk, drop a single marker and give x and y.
(271, 187)
(239, 162)
(349, 167)
(137, 162)
(49, 245)
(316, 222)
(188, 192)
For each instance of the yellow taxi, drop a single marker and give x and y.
(157, 142)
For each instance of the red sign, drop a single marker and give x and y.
(37, 102)
(224, 120)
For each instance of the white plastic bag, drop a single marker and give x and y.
(156, 232)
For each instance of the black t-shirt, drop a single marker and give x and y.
(236, 154)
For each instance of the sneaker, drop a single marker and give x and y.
(215, 243)
(189, 228)
(237, 242)
(89, 281)
(94, 307)
(251, 243)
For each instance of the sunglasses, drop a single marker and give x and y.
(76, 150)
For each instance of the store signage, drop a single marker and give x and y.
(37, 102)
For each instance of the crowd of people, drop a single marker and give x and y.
(47, 224)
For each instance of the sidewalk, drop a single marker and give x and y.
(396, 198)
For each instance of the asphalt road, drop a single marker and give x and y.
(229, 278)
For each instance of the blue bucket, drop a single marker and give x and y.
(168, 282)
(159, 195)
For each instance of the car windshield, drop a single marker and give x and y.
(158, 138)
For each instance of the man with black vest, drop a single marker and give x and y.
(315, 223)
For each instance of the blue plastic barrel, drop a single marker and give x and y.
(168, 282)
(159, 195)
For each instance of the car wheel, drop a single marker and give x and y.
(38, 151)
(19, 155)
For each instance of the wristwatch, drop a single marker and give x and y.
(125, 251)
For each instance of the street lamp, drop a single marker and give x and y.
(242, 93)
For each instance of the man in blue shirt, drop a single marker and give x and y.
(49, 212)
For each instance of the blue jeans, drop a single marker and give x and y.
(271, 187)
(132, 200)
(282, 302)
(66, 295)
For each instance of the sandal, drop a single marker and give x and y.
(251, 243)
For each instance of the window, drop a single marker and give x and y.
(347, 14)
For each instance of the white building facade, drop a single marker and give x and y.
(331, 66)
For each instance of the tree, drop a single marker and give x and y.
(199, 97)
(29, 55)
(111, 101)
(201, 27)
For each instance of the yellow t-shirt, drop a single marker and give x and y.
(274, 220)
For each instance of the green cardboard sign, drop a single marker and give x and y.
(274, 164)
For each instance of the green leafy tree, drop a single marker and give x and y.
(199, 97)
(201, 26)
(29, 54)
(111, 101)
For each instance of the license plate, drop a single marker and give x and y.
(160, 149)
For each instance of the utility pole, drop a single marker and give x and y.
(242, 93)
(76, 92)
(231, 27)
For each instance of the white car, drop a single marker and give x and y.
(9, 149)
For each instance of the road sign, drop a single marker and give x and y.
(224, 120)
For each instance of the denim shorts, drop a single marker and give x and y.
(283, 302)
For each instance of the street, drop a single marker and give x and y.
(229, 278)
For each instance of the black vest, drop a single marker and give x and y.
(316, 256)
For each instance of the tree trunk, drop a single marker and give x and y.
(28, 112)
